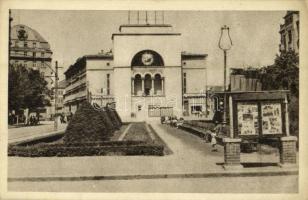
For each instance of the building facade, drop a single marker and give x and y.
(147, 75)
(30, 49)
(60, 98)
(289, 32)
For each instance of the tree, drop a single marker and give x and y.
(283, 74)
(27, 89)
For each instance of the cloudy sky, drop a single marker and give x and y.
(72, 34)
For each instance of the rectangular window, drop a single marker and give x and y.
(34, 54)
(184, 83)
(25, 53)
(34, 45)
(25, 44)
(284, 41)
(290, 36)
(108, 84)
(16, 43)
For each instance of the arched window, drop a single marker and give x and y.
(138, 85)
(147, 84)
(157, 84)
(147, 58)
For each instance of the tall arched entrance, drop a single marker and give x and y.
(148, 93)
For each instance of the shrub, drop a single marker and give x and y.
(105, 117)
(87, 126)
(113, 117)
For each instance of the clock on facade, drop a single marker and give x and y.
(147, 58)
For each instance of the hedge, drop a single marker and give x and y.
(113, 115)
(63, 150)
(88, 125)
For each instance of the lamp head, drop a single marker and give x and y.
(225, 41)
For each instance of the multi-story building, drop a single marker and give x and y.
(289, 32)
(90, 73)
(30, 49)
(60, 97)
(147, 74)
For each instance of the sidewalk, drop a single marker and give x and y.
(30, 132)
(191, 157)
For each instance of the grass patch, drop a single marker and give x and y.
(118, 133)
(138, 132)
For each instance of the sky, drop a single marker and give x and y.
(72, 34)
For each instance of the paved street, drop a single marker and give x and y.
(191, 157)
(16, 134)
(270, 184)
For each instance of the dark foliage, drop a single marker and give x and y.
(87, 125)
(107, 120)
(113, 117)
(27, 89)
(283, 74)
(88, 149)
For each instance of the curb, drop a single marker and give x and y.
(159, 176)
(35, 137)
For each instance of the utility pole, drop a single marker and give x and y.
(56, 97)
(56, 76)
(10, 22)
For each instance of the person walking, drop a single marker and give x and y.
(213, 141)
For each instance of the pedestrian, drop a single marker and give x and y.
(213, 141)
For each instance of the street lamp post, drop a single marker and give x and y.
(225, 44)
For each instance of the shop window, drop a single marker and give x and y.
(195, 109)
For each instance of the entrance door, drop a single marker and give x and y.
(140, 114)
